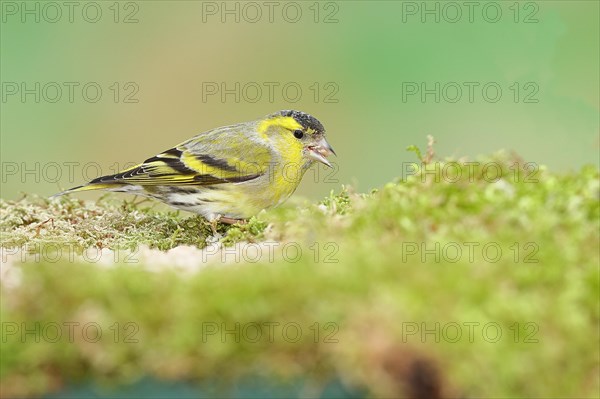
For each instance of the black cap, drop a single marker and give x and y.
(307, 121)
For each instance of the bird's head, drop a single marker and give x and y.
(300, 133)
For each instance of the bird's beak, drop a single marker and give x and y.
(320, 151)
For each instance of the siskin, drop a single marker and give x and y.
(228, 173)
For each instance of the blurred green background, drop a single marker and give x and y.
(353, 61)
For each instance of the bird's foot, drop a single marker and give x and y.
(223, 219)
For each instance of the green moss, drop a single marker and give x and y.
(108, 223)
(419, 253)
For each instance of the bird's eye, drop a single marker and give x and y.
(298, 134)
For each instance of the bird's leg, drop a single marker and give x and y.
(232, 220)
(213, 225)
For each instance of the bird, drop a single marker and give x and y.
(230, 173)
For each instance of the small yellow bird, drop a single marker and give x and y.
(229, 173)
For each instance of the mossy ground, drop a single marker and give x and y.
(476, 286)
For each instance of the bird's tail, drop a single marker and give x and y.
(89, 187)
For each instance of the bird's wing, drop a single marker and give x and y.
(215, 157)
